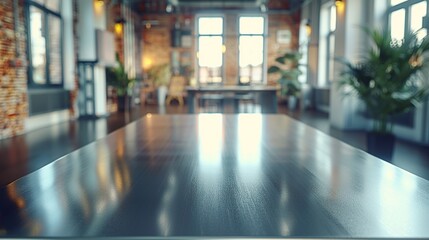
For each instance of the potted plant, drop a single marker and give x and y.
(288, 68)
(161, 75)
(118, 78)
(388, 80)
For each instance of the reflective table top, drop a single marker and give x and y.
(220, 176)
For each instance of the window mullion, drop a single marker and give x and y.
(47, 48)
(407, 20)
(29, 47)
(328, 55)
(62, 51)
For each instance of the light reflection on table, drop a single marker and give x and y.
(217, 175)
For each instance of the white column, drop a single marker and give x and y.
(86, 31)
(100, 22)
(350, 42)
(69, 67)
(92, 16)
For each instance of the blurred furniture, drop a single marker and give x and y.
(247, 100)
(148, 93)
(176, 90)
(211, 102)
(266, 95)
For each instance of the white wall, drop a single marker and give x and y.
(350, 42)
(311, 12)
(100, 22)
(86, 31)
(92, 16)
(100, 91)
(69, 68)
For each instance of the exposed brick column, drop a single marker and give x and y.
(74, 92)
(231, 54)
(13, 77)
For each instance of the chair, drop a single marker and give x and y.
(147, 93)
(176, 90)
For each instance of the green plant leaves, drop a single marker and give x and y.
(289, 72)
(119, 79)
(386, 79)
(160, 74)
(273, 69)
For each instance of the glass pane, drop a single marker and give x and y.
(210, 51)
(55, 64)
(210, 25)
(38, 46)
(396, 2)
(397, 25)
(333, 18)
(251, 51)
(210, 59)
(251, 25)
(418, 11)
(250, 74)
(210, 75)
(251, 57)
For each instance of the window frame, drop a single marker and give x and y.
(197, 45)
(264, 47)
(46, 14)
(324, 80)
(330, 33)
(407, 7)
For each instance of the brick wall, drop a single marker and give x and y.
(13, 70)
(278, 22)
(231, 44)
(157, 40)
(13, 74)
(74, 93)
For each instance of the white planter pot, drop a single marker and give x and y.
(162, 94)
(292, 102)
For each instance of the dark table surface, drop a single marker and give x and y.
(217, 175)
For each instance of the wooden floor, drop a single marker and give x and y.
(26, 153)
(216, 176)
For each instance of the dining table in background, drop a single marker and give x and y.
(266, 96)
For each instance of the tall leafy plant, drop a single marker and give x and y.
(119, 78)
(388, 79)
(288, 69)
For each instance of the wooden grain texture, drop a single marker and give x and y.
(217, 175)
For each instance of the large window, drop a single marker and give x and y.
(210, 50)
(407, 16)
(251, 49)
(328, 25)
(45, 43)
(330, 39)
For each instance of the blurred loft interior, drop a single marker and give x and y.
(73, 72)
(56, 56)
